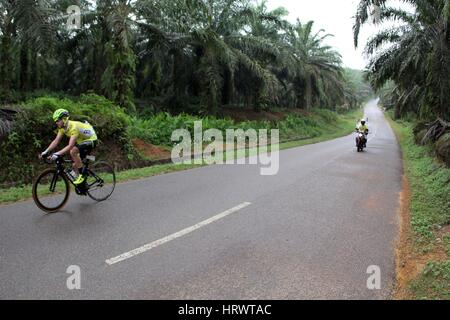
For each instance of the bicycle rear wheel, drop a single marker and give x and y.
(101, 181)
(51, 191)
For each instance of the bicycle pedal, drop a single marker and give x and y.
(80, 192)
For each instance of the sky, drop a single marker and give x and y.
(336, 17)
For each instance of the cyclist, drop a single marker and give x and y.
(83, 140)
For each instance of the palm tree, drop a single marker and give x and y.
(317, 74)
(118, 80)
(209, 34)
(24, 24)
(414, 54)
(7, 29)
(99, 56)
(188, 55)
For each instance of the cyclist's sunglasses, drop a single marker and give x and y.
(56, 121)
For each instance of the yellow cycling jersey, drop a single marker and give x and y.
(362, 128)
(83, 131)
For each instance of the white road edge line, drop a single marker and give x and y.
(154, 244)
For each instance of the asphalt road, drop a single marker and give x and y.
(309, 232)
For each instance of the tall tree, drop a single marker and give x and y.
(415, 54)
(118, 81)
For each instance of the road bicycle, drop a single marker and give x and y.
(51, 189)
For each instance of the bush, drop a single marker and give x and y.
(109, 120)
(33, 130)
(443, 148)
(297, 126)
(158, 129)
(327, 115)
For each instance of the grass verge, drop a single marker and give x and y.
(425, 259)
(344, 125)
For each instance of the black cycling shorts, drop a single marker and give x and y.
(86, 148)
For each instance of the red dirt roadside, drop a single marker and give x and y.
(151, 151)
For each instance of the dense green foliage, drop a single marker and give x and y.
(430, 207)
(413, 55)
(434, 282)
(180, 55)
(429, 182)
(33, 131)
(158, 128)
(356, 88)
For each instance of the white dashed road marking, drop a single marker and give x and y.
(157, 243)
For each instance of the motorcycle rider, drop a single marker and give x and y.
(363, 128)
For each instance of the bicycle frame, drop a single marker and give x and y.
(61, 171)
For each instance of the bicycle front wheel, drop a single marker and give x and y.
(101, 181)
(51, 191)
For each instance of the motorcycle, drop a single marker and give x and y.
(361, 141)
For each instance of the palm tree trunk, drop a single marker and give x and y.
(444, 82)
(227, 90)
(24, 68)
(5, 67)
(257, 101)
(397, 111)
(308, 94)
(34, 71)
(6, 54)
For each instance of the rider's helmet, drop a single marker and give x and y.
(363, 121)
(60, 114)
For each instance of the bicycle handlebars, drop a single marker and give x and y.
(59, 159)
